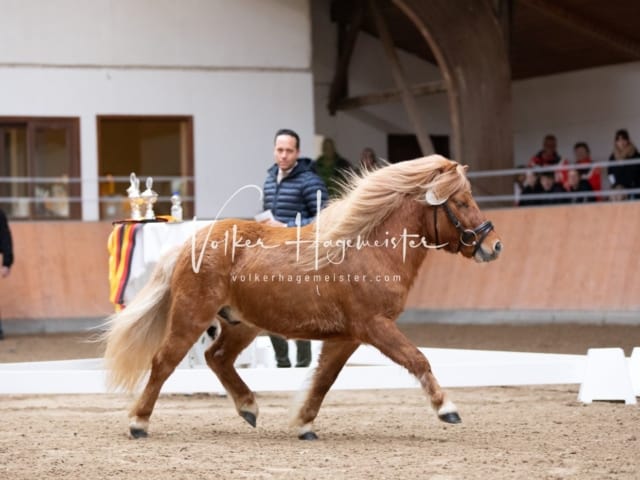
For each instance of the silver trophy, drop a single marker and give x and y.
(135, 200)
(149, 197)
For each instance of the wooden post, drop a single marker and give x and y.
(470, 49)
(400, 80)
(340, 79)
(504, 14)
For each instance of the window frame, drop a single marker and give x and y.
(190, 160)
(72, 128)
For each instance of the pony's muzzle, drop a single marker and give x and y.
(486, 253)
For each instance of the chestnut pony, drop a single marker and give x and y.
(343, 279)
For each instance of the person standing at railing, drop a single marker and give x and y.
(549, 185)
(332, 168)
(536, 185)
(526, 184)
(620, 175)
(368, 160)
(6, 249)
(575, 184)
(549, 156)
(582, 155)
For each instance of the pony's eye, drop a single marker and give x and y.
(462, 205)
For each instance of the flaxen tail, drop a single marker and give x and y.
(135, 333)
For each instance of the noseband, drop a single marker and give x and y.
(468, 238)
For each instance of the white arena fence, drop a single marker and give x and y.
(602, 373)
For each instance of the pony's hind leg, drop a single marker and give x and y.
(332, 358)
(183, 332)
(221, 356)
(383, 334)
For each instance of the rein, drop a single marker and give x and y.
(468, 238)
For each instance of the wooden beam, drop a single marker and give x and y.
(340, 79)
(387, 96)
(588, 27)
(504, 14)
(472, 58)
(400, 80)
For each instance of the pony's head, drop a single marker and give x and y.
(453, 216)
(440, 196)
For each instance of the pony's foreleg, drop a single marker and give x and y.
(181, 337)
(221, 357)
(383, 334)
(332, 358)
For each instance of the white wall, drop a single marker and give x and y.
(588, 105)
(241, 69)
(238, 33)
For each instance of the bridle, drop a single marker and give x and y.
(468, 238)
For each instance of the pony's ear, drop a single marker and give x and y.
(432, 199)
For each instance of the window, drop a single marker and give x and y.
(406, 147)
(40, 168)
(160, 147)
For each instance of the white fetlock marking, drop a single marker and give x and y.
(447, 407)
(300, 399)
(307, 427)
(139, 424)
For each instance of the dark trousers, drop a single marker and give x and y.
(281, 347)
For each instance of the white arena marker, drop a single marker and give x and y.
(634, 370)
(606, 377)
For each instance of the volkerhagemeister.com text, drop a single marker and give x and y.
(314, 278)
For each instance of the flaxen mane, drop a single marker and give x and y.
(371, 197)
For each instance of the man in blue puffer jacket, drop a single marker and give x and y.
(291, 187)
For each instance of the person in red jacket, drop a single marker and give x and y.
(591, 174)
(548, 157)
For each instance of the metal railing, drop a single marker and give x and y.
(512, 199)
(38, 205)
(36, 197)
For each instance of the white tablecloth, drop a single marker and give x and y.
(151, 242)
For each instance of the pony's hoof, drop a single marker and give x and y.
(308, 436)
(451, 417)
(138, 433)
(249, 417)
